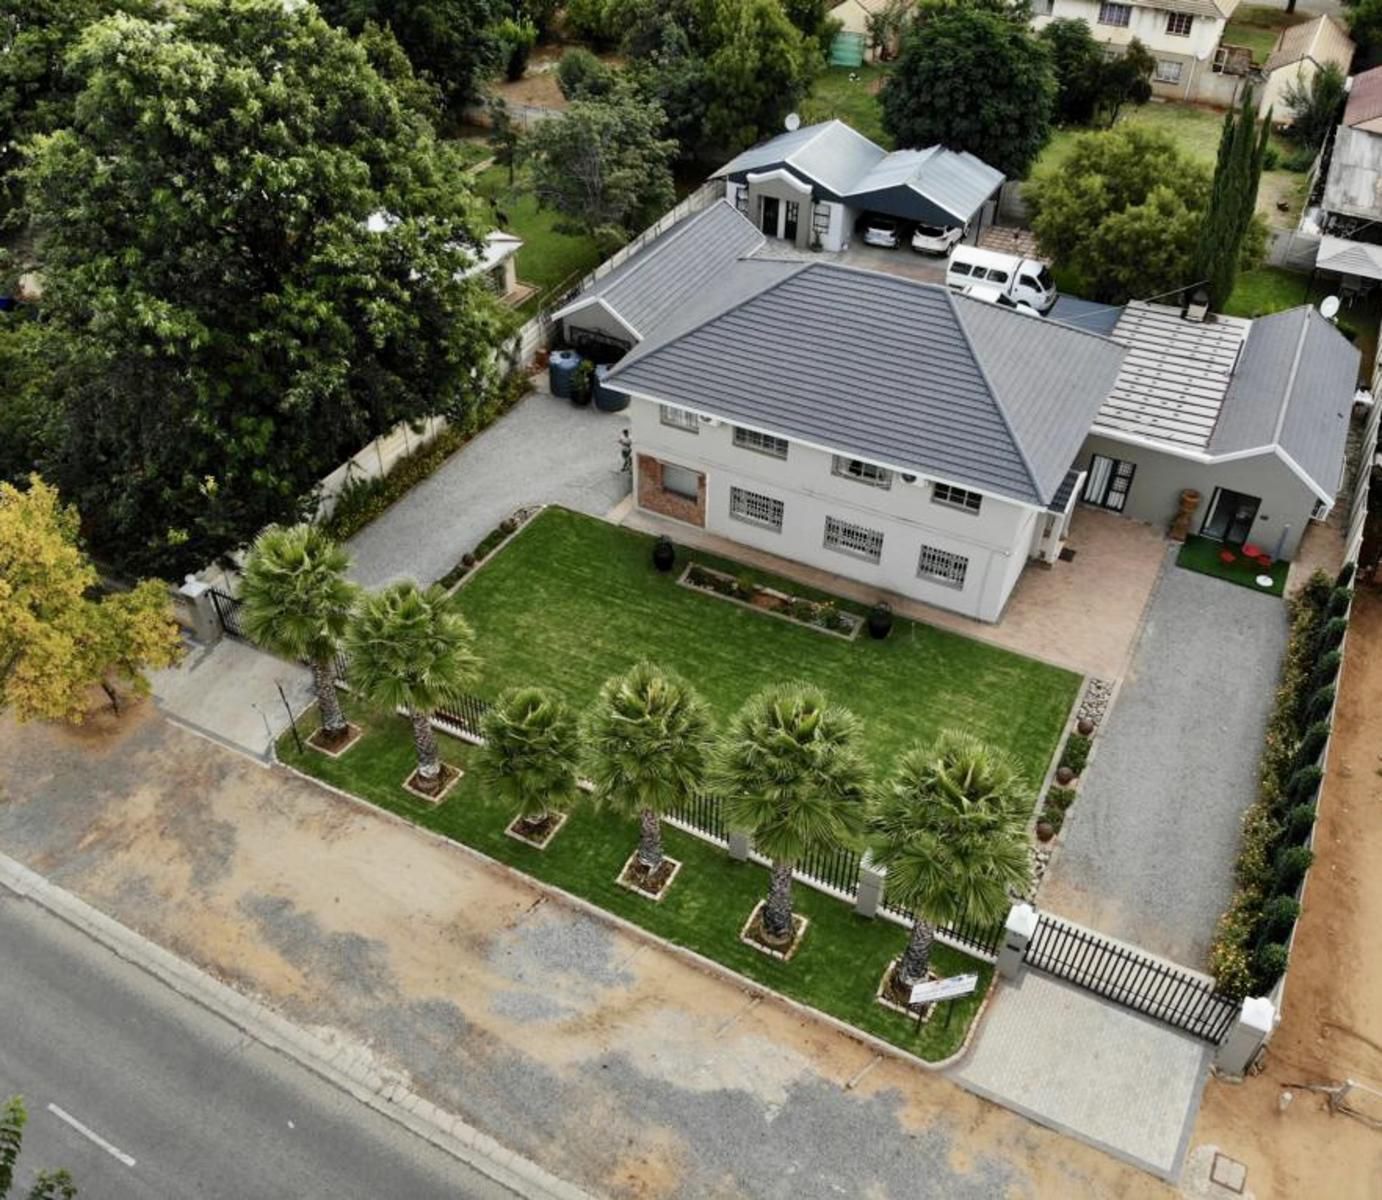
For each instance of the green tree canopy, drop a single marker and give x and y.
(1314, 106)
(47, 1185)
(976, 80)
(1230, 214)
(531, 750)
(225, 323)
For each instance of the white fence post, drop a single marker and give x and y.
(738, 845)
(201, 610)
(872, 882)
(1017, 934)
(1249, 1032)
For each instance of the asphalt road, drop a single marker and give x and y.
(174, 1101)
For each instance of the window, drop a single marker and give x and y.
(755, 509)
(853, 468)
(1115, 14)
(853, 539)
(940, 566)
(741, 198)
(1167, 71)
(763, 443)
(679, 418)
(1178, 24)
(681, 481)
(955, 497)
(959, 268)
(994, 275)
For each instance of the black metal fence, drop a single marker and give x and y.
(1133, 980)
(466, 713)
(703, 815)
(836, 868)
(228, 612)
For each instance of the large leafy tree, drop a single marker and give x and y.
(531, 751)
(412, 649)
(950, 827)
(976, 80)
(224, 329)
(1229, 216)
(47, 1185)
(1314, 106)
(647, 740)
(297, 604)
(1089, 82)
(789, 773)
(58, 637)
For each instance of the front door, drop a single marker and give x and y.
(789, 226)
(1231, 516)
(1109, 481)
(770, 215)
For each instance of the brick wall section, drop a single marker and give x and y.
(654, 498)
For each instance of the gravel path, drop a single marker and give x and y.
(544, 451)
(1147, 851)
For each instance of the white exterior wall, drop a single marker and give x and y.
(1147, 25)
(996, 540)
(842, 218)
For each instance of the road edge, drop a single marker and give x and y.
(345, 1067)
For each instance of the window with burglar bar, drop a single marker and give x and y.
(864, 472)
(857, 540)
(761, 443)
(755, 509)
(942, 566)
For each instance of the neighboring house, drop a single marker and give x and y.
(812, 185)
(854, 17)
(496, 261)
(1300, 53)
(1350, 209)
(1182, 35)
(1364, 108)
(1253, 415)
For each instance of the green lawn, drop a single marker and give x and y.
(573, 600)
(841, 958)
(1202, 555)
(853, 101)
(1258, 27)
(1266, 290)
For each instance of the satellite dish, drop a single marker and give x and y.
(793, 122)
(1329, 307)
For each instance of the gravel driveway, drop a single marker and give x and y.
(1147, 851)
(543, 452)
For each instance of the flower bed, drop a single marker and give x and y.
(823, 615)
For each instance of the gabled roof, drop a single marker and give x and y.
(897, 372)
(955, 181)
(831, 154)
(1212, 10)
(1364, 98)
(1348, 257)
(1322, 40)
(652, 286)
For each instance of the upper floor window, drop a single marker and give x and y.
(679, 418)
(1178, 24)
(864, 472)
(763, 443)
(853, 539)
(1115, 14)
(956, 497)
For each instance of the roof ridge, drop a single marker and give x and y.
(674, 234)
(1291, 375)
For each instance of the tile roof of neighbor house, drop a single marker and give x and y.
(1210, 9)
(1354, 185)
(1364, 98)
(1348, 257)
(901, 373)
(832, 153)
(1322, 40)
(956, 181)
(650, 287)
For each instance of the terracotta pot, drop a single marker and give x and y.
(1084, 727)
(1044, 831)
(1064, 775)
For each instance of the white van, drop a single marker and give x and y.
(1024, 280)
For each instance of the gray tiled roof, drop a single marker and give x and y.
(897, 372)
(831, 153)
(1293, 389)
(955, 181)
(657, 283)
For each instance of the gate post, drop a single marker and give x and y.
(738, 845)
(206, 625)
(872, 881)
(1017, 934)
(1245, 1038)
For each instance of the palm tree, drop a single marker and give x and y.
(530, 752)
(950, 827)
(647, 740)
(297, 604)
(411, 649)
(789, 773)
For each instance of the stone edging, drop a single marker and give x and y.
(854, 621)
(348, 1067)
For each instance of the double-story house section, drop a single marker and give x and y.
(873, 426)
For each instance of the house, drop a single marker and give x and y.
(496, 260)
(1300, 53)
(810, 186)
(1350, 208)
(1252, 415)
(1183, 36)
(870, 425)
(854, 17)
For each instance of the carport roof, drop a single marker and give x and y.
(955, 181)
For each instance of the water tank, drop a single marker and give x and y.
(608, 399)
(561, 366)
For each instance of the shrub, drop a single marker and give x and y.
(1279, 918)
(1339, 600)
(699, 576)
(1345, 576)
(744, 587)
(1326, 669)
(1312, 743)
(801, 609)
(1229, 958)
(1304, 783)
(1076, 752)
(1331, 635)
(828, 614)
(1054, 817)
(1260, 833)
(1269, 965)
(1316, 591)
(1321, 705)
(1292, 862)
(1271, 158)
(1060, 798)
(1299, 822)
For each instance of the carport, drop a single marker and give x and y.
(934, 186)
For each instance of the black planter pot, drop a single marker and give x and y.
(664, 554)
(880, 621)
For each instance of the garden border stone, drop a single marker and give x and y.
(855, 621)
(655, 897)
(511, 830)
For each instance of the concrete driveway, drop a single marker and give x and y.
(1147, 850)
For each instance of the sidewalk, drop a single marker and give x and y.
(611, 1063)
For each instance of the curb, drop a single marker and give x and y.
(344, 1065)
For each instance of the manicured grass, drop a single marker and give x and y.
(573, 600)
(841, 958)
(1202, 555)
(853, 101)
(1258, 27)
(1266, 290)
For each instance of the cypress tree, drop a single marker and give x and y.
(1232, 199)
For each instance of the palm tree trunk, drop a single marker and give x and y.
(778, 926)
(916, 959)
(649, 840)
(428, 760)
(328, 699)
(109, 689)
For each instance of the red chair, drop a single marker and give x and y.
(1227, 556)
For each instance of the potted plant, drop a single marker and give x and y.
(583, 383)
(664, 554)
(880, 620)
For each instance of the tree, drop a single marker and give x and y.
(55, 1185)
(950, 828)
(207, 270)
(603, 166)
(530, 753)
(789, 773)
(582, 76)
(1314, 106)
(647, 739)
(504, 137)
(26, 411)
(57, 638)
(1078, 62)
(411, 649)
(516, 41)
(297, 604)
(1232, 199)
(1365, 23)
(972, 80)
(1126, 79)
